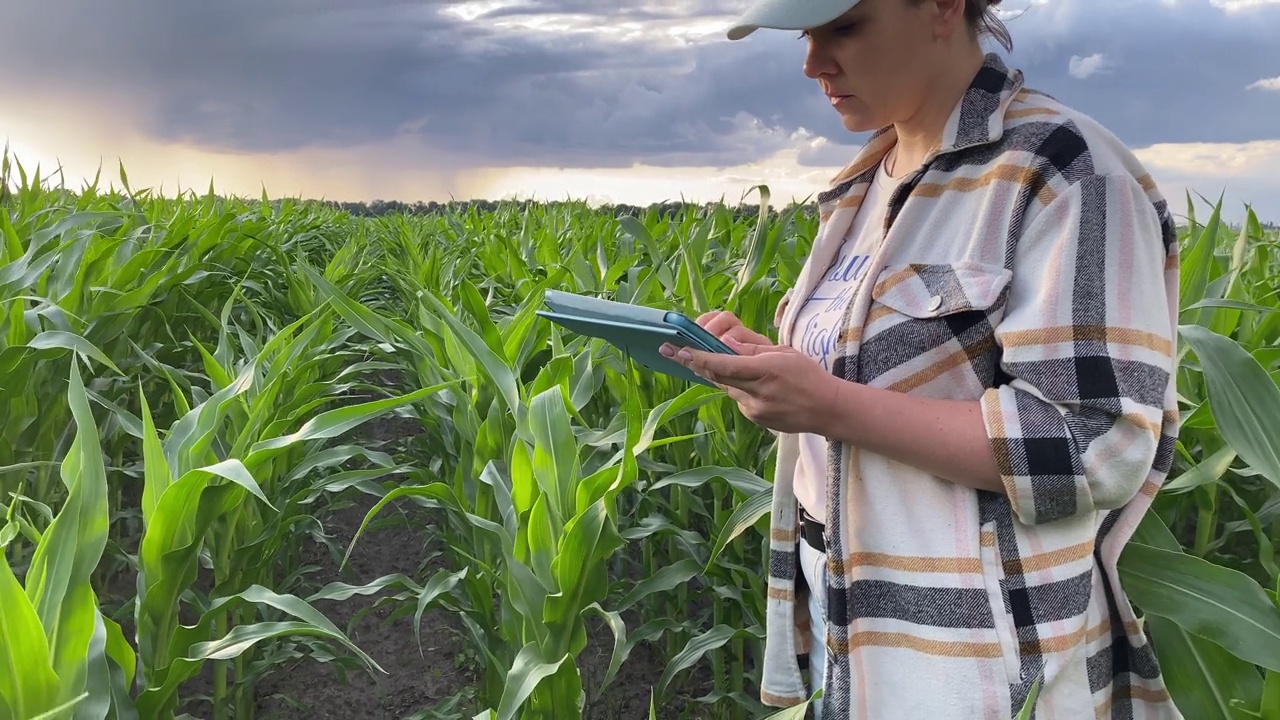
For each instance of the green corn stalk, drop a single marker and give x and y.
(1215, 629)
(62, 657)
(192, 494)
(183, 298)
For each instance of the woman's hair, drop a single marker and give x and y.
(981, 18)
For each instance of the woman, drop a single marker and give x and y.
(972, 388)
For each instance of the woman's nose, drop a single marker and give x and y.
(818, 62)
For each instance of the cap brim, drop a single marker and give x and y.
(788, 15)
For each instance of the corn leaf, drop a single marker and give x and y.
(28, 684)
(580, 572)
(1210, 470)
(530, 667)
(666, 578)
(58, 581)
(1271, 696)
(619, 629)
(697, 647)
(744, 516)
(687, 401)
(495, 366)
(1217, 603)
(337, 422)
(1204, 679)
(1246, 402)
(60, 340)
(555, 457)
(441, 584)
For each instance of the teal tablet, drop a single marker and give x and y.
(636, 330)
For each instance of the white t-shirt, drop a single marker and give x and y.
(818, 325)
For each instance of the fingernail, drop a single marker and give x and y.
(684, 354)
(666, 350)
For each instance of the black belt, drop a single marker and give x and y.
(813, 531)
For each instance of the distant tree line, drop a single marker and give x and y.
(379, 208)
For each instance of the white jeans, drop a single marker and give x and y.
(814, 566)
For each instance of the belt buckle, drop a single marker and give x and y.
(813, 531)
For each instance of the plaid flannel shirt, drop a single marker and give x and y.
(1029, 265)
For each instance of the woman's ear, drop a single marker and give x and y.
(948, 17)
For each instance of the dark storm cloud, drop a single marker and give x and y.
(252, 76)
(1176, 72)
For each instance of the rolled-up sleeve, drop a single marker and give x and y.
(1087, 340)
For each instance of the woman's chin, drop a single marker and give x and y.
(860, 122)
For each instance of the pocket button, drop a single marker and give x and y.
(935, 302)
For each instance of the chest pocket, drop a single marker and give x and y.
(931, 328)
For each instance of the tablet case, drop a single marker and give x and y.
(636, 330)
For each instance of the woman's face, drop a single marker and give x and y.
(876, 62)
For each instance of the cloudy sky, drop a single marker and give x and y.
(607, 100)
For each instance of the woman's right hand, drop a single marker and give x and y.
(724, 324)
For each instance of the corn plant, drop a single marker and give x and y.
(522, 494)
(239, 347)
(1214, 607)
(215, 476)
(61, 657)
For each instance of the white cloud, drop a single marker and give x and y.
(1266, 84)
(1243, 173)
(661, 22)
(471, 10)
(1216, 160)
(1232, 5)
(1082, 67)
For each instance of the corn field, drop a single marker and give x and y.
(194, 390)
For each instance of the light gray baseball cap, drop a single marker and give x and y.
(788, 15)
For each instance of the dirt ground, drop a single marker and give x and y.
(309, 690)
(439, 682)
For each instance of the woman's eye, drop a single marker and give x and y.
(839, 31)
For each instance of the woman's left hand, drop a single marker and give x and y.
(775, 386)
